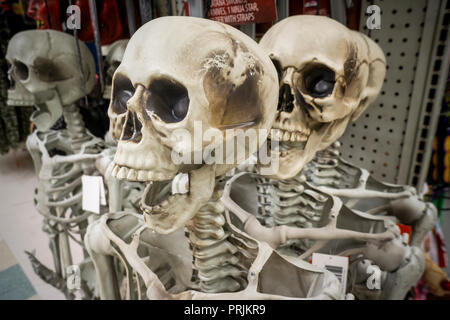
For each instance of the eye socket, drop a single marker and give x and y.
(279, 68)
(319, 81)
(20, 70)
(50, 71)
(168, 99)
(123, 90)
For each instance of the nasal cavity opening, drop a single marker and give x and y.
(285, 99)
(132, 130)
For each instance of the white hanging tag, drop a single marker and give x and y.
(335, 264)
(91, 193)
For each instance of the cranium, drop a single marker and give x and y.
(328, 76)
(112, 61)
(181, 73)
(45, 73)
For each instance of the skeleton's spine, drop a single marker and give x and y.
(263, 189)
(294, 205)
(323, 169)
(216, 258)
(75, 126)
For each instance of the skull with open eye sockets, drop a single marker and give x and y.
(45, 72)
(190, 75)
(328, 76)
(112, 62)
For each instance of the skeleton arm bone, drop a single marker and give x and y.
(75, 158)
(280, 234)
(361, 193)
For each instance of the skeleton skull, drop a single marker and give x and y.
(112, 61)
(328, 76)
(188, 74)
(45, 72)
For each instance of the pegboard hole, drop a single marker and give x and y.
(432, 94)
(437, 65)
(443, 35)
(435, 79)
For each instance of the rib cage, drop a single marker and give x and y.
(290, 202)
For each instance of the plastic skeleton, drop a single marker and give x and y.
(124, 194)
(45, 73)
(328, 76)
(332, 174)
(212, 74)
(112, 61)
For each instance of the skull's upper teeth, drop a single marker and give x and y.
(285, 135)
(121, 173)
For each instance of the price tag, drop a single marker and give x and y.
(93, 193)
(335, 264)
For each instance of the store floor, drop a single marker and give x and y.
(20, 231)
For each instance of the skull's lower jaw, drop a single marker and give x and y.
(167, 208)
(293, 156)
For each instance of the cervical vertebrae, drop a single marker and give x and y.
(217, 262)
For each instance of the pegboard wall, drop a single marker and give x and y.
(386, 138)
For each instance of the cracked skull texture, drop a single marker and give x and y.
(327, 79)
(45, 72)
(204, 76)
